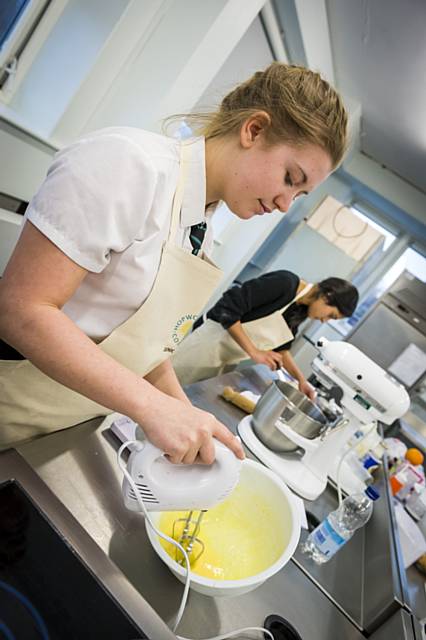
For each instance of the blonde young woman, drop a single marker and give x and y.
(109, 259)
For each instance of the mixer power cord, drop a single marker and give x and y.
(230, 634)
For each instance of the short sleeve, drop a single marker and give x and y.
(95, 198)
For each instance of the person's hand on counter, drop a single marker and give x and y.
(184, 432)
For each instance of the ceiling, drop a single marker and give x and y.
(378, 52)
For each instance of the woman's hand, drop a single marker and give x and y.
(181, 441)
(272, 359)
(184, 432)
(307, 389)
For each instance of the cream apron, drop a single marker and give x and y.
(32, 404)
(210, 349)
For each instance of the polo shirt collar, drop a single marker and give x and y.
(194, 197)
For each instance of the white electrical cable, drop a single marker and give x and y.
(184, 599)
(159, 533)
(339, 467)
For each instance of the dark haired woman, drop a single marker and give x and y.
(259, 320)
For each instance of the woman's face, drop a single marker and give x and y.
(259, 179)
(320, 310)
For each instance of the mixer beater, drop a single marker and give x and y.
(164, 486)
(188, 537)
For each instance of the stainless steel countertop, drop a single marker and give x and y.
(13, 468)
(79, 465)
(366, 578)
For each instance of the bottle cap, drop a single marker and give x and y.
(370, 461)
(372, 493)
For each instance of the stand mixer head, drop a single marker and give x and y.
(368, 392)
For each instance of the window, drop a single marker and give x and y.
(18, 21)
(389, 237)
(346, 325)
(9, 16)
(410, 261)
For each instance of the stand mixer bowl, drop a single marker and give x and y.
(282, 401)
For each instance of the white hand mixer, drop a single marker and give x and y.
(152, 483)
(163, 486)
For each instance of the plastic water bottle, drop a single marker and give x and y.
(339, 526)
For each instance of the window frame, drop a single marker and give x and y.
(25, 40)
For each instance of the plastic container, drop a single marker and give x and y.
(416, 502)
(405, 478)
(339, 526)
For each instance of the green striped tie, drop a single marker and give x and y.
(196, 236)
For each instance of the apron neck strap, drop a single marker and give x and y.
(297, 296)
(185, 154)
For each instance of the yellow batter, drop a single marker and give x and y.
(242, 536)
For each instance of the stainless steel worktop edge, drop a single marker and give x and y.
(14, 467)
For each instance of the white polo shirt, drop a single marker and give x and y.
(106, 203)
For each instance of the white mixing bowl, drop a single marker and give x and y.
(268, 491)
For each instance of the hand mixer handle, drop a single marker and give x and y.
(152, 453)
(164, 486)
